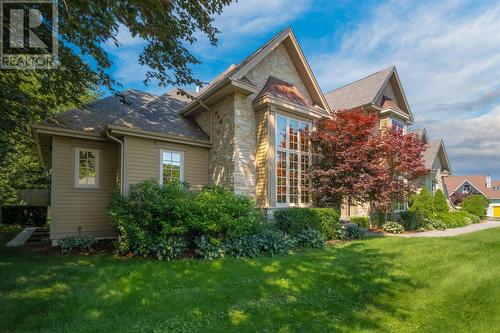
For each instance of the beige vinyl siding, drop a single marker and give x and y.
(142, 161)
(73, 208)
(261, 159)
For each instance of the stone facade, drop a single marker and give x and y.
(222, 153)
(233, 125)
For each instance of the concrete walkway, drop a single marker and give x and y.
(22, 237)
(445, 233)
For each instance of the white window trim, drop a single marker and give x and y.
(181, 153)
(77, 168)
(287, 150)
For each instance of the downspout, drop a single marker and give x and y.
(122, 162)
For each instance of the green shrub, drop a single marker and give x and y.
(310, 238)
(209, 249)
(82, 243)
(352, 232)
(247, 246)
(410, 220)
(221, 214)
(432, 223)
(153, 213)
(422, 204)
(393, 227)
(440, 204)
(171, 248)
(476, 204)
(296, 220)
(361, 221)
(454, 219)
(275, 242)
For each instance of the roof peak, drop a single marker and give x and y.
(389, 68)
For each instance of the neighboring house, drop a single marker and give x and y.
(380, 93)
(245, 130)
(436, 160)
(480, 184)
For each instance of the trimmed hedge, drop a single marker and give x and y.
(24, 215)
(295, 220)
(361, 221)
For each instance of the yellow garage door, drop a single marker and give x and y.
(496, 211)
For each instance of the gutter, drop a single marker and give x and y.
(122, 162)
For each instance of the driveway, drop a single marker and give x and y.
(445, 233)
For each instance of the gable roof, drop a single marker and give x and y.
(421, 134)
(453, 183)
(135, 109)
(284, 91)
(436, 149)
(367, 91)
(237, 72)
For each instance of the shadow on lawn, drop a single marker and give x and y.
(335, 289)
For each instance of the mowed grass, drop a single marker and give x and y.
(373, 285)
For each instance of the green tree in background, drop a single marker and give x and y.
(29, 96)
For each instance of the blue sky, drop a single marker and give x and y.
(447, 54)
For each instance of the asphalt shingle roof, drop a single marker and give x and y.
(134, 109)
(358, 93)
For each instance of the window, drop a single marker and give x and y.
(86, 168)
(467, 188)
(398, 124)
(434, 186)
(399, 207)
(293, 159)
(171, 166)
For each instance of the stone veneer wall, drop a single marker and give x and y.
(245, 146)
(221, 155)
(234, 142)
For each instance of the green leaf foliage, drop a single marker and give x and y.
(439, 202)
(476, 204)
(295, 220)
(393, 227)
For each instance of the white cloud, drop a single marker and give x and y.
(448, 57)
(252, 17)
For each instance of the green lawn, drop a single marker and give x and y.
(374, 285)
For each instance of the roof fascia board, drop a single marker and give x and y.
(158, 136)
(468, 182)
(52, 130)
(445, 156)
(399, 87)
(38, 146)
(287, 33)
(267, 100)
(397, 113)
(217, 93)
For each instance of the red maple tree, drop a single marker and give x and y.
(355, 161)
(402, 168)
(346, 148)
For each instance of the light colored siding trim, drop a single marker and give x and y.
(271, 163)
(143, 161)
(261, 159)
(73, 208)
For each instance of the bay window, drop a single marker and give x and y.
(293, 159)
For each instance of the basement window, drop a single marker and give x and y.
(86, 168)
